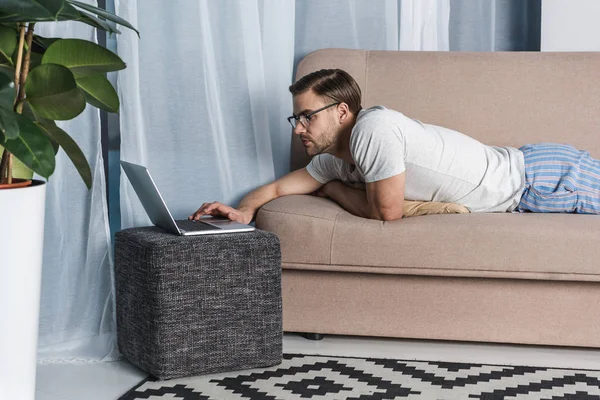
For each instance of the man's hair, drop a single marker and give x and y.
(336, 84)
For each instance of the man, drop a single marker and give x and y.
(397, 157)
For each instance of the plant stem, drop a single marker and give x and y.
(9, 168)
(21, 72)
(9, 165)
(4, 166)
(25, 69)
(19, 57)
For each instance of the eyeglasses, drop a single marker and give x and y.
(305, 118)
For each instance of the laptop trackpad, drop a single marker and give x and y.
(218, 221)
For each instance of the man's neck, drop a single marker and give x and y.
(341, 148)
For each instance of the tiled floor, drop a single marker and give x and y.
(107, 381)
(103, 381)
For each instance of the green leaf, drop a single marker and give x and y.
(43, 41)
(82, 57)
(40, 44)
(53, 93)
(35, 60)
(8, 44)
(19, 170)
(5, 80)
(99, 92)
(103, 14)
(7, 69)
(97, 23)
(32, 148)
(68, 13)
(30, 10)
(7, 94)
(8, 123)
(28, 112)
(71, 149)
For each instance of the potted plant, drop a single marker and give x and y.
(42, 80)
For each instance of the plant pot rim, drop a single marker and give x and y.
(21, 184)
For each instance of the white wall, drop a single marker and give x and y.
(570, 25)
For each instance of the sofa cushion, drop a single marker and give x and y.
(316, 233)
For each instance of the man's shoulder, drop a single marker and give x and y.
(367, 113)
(326, 159)
(376, 123)
(376, 116)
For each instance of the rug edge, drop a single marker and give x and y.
(440, 361)
(139, 384)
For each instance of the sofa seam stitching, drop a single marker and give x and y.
(332, 235)
(435, 269)
(303, 215)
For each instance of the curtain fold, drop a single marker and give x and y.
(77, 321)
(382, 25)
(278, 50)
(424, 25)
(495, 25)
(202, 99)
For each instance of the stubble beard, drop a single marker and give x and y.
(321, 145)
(318, 148)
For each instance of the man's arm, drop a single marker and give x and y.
(382, 200)
(296, 182)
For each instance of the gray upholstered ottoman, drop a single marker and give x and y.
(191, 305)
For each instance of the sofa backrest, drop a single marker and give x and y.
(498, 98)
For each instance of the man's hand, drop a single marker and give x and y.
(217, 209)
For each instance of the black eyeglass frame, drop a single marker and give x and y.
(308, 116)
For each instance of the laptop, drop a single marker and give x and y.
(159, 214)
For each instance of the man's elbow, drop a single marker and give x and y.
(391, 217)
(388, 215)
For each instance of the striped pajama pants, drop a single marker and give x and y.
(560, 179)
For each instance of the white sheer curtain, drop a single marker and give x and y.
(76, 310)
(204, 97)
(424, 25)
(378, 25)
(495, 25)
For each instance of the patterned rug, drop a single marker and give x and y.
(327, 377)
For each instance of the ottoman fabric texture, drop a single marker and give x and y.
(191, 305)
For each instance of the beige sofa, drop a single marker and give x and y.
(493, 277)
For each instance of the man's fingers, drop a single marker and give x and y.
(217, 209)
(201, 211)
(212, 207)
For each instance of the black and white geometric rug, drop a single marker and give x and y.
(334, 377)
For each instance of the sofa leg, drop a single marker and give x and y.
(313, 336)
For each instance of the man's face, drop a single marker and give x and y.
(320, 134)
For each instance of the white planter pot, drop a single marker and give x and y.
(21, 249)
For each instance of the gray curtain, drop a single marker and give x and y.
(495, 25)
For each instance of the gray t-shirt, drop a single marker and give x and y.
(440, 164)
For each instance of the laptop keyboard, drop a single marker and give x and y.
(188, 225)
